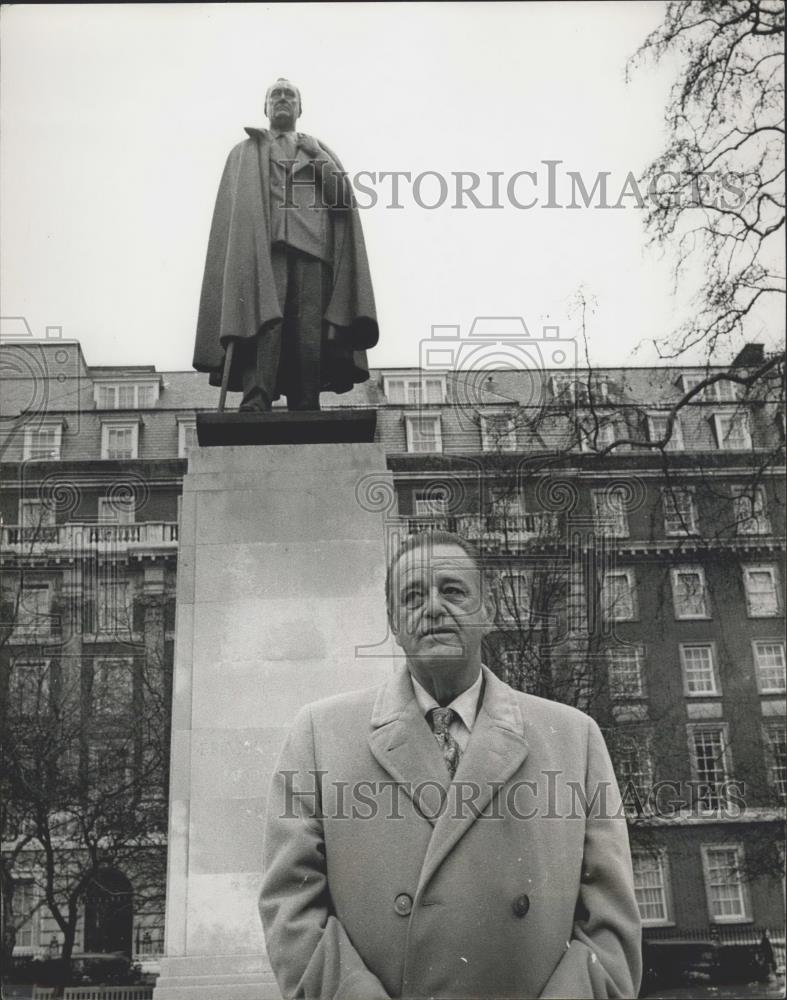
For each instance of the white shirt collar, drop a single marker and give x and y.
(465, 705)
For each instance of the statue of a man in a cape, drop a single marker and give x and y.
(287, 306)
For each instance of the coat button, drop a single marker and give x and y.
(403, 904)
(521, 905)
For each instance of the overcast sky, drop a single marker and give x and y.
(117, 120)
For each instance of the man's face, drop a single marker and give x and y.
(282, 105)
(438, 609)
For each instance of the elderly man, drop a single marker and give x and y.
(286, 276)
(444, 835)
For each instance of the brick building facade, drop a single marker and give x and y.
(636, 532)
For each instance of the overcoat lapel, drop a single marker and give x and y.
(495, 751)
(405, 747)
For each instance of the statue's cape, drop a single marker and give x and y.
(238, 291)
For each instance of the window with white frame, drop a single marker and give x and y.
(689, 593)
(516, 595)
(610, 516)
(775, 745)
(625, 672)
(187, 437)
(618, 596)
(658, 428)
(634, 768)
(430, 503)
(423, 432)
(113, 608)
(116, 510)
(597, 434)
(126, 395)
(651, 881)
(29, 687)
(724, 883)
(761, 584)
(721, 391)
(710, 765)
(700, 676)
(414, 391)
(732, 431)
(680, 511)
(770, 666)
(42, 444)
(498, 431)
(25, 904)
(510, 661)
(119, 441)
(571, 389)
(113, 685)
(37, 521)
(33, 610)
(751, 516)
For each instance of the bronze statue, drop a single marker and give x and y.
(287, 306)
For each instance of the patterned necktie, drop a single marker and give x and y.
(440, 719)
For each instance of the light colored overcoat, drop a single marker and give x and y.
(384, 878)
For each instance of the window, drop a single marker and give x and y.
(430, 503)
(762, 591)
(112, 687)
(610, 516)
(769, 663)
(43, 443)
(650, 886)
(498, 432)
(732, 431)
(126, 395)
(516, 596)
(634, 769)
(596, 434)
(724, 884)
(116, 510)
(721, 391)
(618, 596)
(187, 437)
(699, 669)
(709, 754)
(658, 426)
(414, 391)
(119, 441)
(423, 432)
(775, 744)
(689, 593)
(37, 521)
(680, 513)
(114, 612)
(29, 687)
(569, 388)
(25, 903)
(751, 517)
(32, 613)
(625, 672)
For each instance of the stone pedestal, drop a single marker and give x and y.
(280, 579)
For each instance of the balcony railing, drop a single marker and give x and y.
(493, 531)
(21, 540)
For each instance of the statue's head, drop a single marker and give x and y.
(283, 104)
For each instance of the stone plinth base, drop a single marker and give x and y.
(285, 427)
(280, 579)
